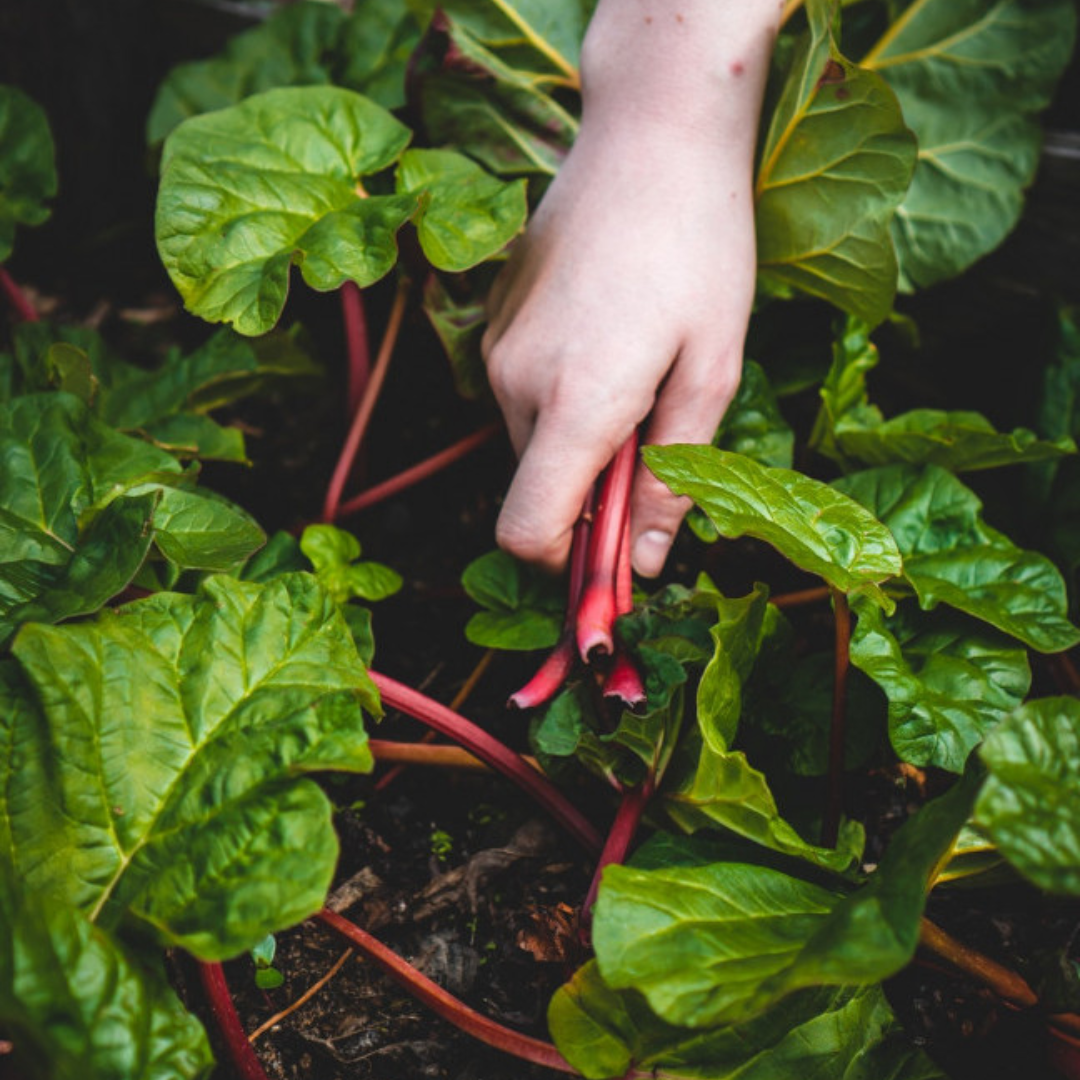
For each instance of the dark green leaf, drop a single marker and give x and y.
(27, 165)
(948, 683)
(524, 609)
(460, 326)
(835, 164)
(970, 76)
(248, 190)
(334, 554)
(1030, 804)
(753, 424)
(162, 778)
(192, 435)
(802, 518)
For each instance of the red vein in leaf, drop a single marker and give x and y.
(212, 977)
(367, 405)
(445, 1004)
(357, 350)
(16, 298)
(490, 750)
(421, 471)
(830, 829)
(598, 607)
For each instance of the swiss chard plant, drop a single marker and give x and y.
(170, 677)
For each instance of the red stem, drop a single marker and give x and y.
(366, 407)
(421, 471)
(803, 596)
(16, 298)
(598, 607)
(623, 830)
(444, 1004)
(830, 829)
(623, 681)
(228, 1024)
(490, 750)
(354, 319)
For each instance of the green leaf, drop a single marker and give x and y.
(460, 326)
(248, 190)
(754, 425)
(27, 165)
(948, 683)
(192, 435)
(951, 556)
(1030, 804)
(835, 164)
(970, 77)
(201, 532)
(523, 608)
(75, 1007)
(376, 44)
(829, 1034)
(156, 765)
(802, 518)
(334, 554)
(466, 215)
(721, 942)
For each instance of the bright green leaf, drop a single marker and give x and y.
(334, 554)
(200, 532)
(1030, 804)
(802, 518)
(27, 165)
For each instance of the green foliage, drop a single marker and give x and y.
(334, 554)
(522, 607)
(27, 165)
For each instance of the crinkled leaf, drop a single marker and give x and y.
(335, 556)
(829, 1034)
(158, 774)
(951, 556)
(720, 788)
(720, 942)
(970, 77)
(248, 190)
(200, 532)
(27, 165)
(948, 682)
(802, 518)
(524, 610)
(76, 1007)
(835, 164)
(1030, 804)
(466, 214)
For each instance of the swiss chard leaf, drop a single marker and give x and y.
(523, 610)
(826, 1033)
(832, 537)
(154, 768)
(717, 943)
(334, 554)
(951, 556)
(754, 425)
(27, 165)
(970, 77)
(835, 164)
(948, 683)
(1030, 804)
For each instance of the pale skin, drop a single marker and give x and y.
(629, 295)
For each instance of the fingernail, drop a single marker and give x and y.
(650, 552)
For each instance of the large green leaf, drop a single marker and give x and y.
(248, 190)
(970, 76)
(802, 518)
(951, 556)
(1030, 804)
(835, 164)
(27, 165)
(155, 771)
(948, 683)
(827, 1034)
(75, 1007)
(301, 44)
(707, 944)
(522, 608)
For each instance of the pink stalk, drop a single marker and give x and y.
(623, 830)
(598, 608)
(623, 681)
(366, 407)
(244, 1061)
(354, 319)
(555, 670)
(16, 298)
(490, 750)
(421, 471)
(445, 1004)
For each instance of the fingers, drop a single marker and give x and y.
(688, 410)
